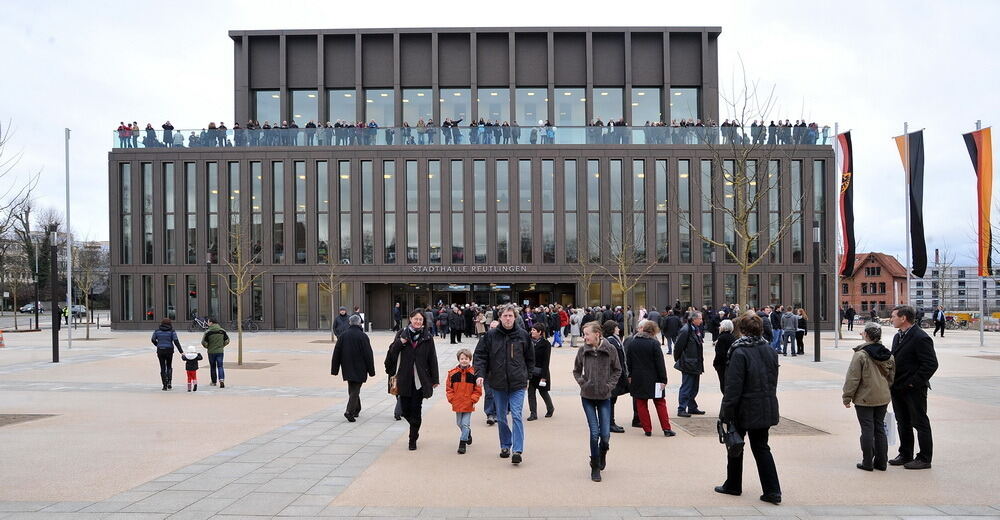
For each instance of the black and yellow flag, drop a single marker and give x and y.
(911, 151)
(980, 146)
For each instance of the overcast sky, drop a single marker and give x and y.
(868, 65)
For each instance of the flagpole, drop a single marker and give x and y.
(906, 171)
(980, 289)
(836, 247)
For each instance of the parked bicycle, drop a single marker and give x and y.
(249, 325)
(198, 324)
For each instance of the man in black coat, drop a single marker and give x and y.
(505, 359)
(468, 327)
(456, 322)
(671, 326)
(353, 354)
(849, 316)
(939, 321)
(397, 317)
(916, 362)
(340, 323)
(689, 357)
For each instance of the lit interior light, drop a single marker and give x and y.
(236, 192)
(635, 104)
(567, 93)
(531, 93)
(275, 96)
(406, 101)
(420, 94)
(387, 176)
(296, 115)
(641, 175)
(457, 94)
(345, 176)
(640, 93)
(441, 100)
(684, 176)
(604, 93)
(369, 101)
(583, 99)
(303, 177)
(311, 95)
(347, 95)
(494, 94)
(678, 93)
(215, 192)
(384, 94)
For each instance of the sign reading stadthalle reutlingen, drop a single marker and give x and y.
(469, 269)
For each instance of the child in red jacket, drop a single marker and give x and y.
(463, 394)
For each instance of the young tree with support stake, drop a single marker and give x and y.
(747, 181)
(628, 265)
(90, 265)
(330, 282)
(243, 265)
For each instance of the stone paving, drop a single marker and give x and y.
(301, 468)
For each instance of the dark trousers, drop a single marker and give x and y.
(850, 324)
(456, 336)
(799, 338)
(489, 407)
(353, 398)
(938, 325)
(910, 407)
(874, 445)
(765, 464)
(688, 392)
(722, 377)
(532, 403)
(410, 406)
(166, 358)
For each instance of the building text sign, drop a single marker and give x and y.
(469, 269)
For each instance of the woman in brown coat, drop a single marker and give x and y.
(867, 386)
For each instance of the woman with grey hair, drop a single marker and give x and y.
(869, 376)
(722, 346)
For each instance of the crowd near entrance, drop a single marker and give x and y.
(426, 295)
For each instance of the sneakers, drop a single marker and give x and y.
(515, 458)
(461, 447)
(504, 453)
(491, 420)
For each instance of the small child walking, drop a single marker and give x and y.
(463, 394)
(191, 359)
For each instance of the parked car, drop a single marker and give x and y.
(31, 307)
(79, 311)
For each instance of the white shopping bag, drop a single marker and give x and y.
(890, 428)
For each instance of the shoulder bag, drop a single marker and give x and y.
(731, 438)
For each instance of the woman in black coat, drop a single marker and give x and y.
(540, 380)
(750, 403)
(611, 330)
(647, 376)
(722, 345)
(413, 360)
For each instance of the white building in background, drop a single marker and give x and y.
(957, 288)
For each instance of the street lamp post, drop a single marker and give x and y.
(815, 298)
(715, 301)
(53, 277)
(208, 267)
(35, 248)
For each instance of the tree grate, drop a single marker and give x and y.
(7, 419)
(704, 426)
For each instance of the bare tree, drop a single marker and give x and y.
(244, 268)
(628, 263)
(585, 271)
(749, 182)
(330, 282)
(91, 265)
(15, 274)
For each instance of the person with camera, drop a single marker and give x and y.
(750, 404)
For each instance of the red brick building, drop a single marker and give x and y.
(878, 282)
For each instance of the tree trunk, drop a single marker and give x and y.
(625, 302)
(86, 302)
(332, 315)
(16, 310)
(239, 329)
(743, 289)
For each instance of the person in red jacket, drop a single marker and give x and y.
(563, 323)
(463, 394)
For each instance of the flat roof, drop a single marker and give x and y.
(417, 30)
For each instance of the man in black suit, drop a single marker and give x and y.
(849, 315)
(939, 321)
(916, 362)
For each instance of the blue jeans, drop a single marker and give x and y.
(689, 390)
(776, 339)
(599, 421)
(511, 402)
(787, 338)
(215, 366)
(462, 419)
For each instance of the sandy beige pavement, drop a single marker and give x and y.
(815, 469)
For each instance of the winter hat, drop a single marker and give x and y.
(190, 352)
(191, 348)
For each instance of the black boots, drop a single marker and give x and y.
(414, 435)
(595, 469)
(604, 456)
(461, 447)
(532, 417)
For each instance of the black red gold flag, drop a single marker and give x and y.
(845, 159)
(980, 146)
(911, 152)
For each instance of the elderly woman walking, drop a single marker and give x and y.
(869, 375)
(722, 345)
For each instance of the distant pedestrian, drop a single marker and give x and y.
(165, 340)
(353, 354)
(397, 317)
(540, 381)
(722, 346)
(412, 359)
(340, 323)
(463, 394)
(940, 319)
(215, 341)
(191, 358)
(867, 386)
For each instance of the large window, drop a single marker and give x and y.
(569, 199)
(170, 296)
(608, 104)
(434, 207)
(412, 208)
(126, 298)
(342, 106)
(594, 210)
(456, 104)
(774, 210)
(267, 106)
(638, 216)
(548, 211)
(302, 306)
(256, 210)
(524, 207)
(278, 207)
(418, 104)
(503, 210)
(645, 106)
(389, 205)
(798, 251)
(344, 190)
(234, 210)
(147, 212)
(706, 190)
(213, 212)
(191, 286)
(169, 222)
(819, 200)
(300, 212)
(148, 307)
(684, 208)
(125, 174)
(684, 104)
(322, 213)
(532, 105)
(571, 107)
(729, 201)
(479, 201)
(191, 210)
(305, 107)
(380, 107)
(367, 217)
(662, 232)
(457, 212)
(494, 104)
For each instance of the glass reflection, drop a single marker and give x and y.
(494, 104)
(342, 106)
(267, 106)
(305, 107)
(608, 104)
(571, 107)
(684, 104)
(380, 107)
(417, 105)
(456, 104)
(532, 105)
(646, 106)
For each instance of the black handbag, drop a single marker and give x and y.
(731, 438)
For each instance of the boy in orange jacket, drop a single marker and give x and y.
(463, 394)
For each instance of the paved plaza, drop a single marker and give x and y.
(110, 444)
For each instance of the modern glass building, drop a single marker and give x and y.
(413, 210)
